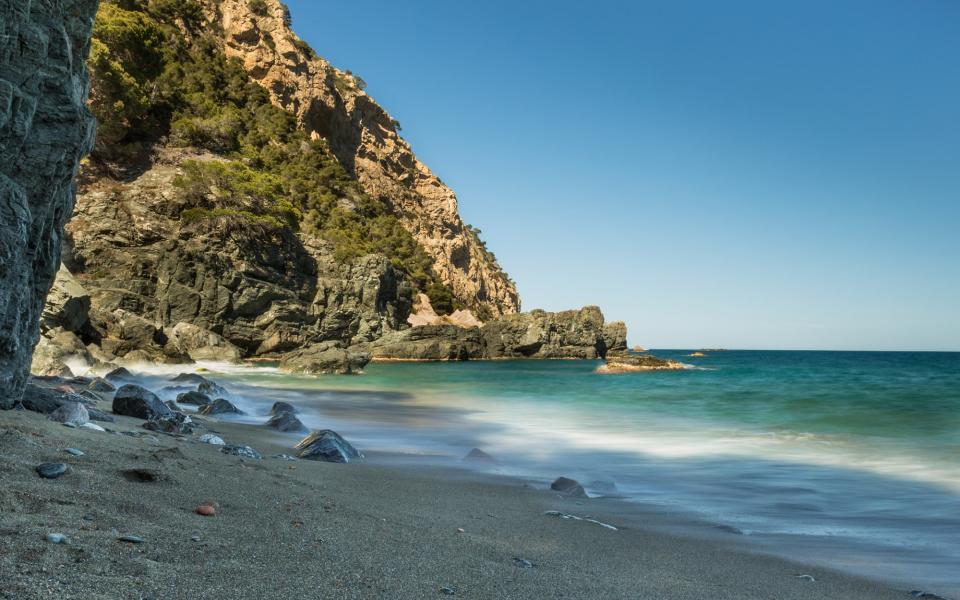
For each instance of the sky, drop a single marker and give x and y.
(741, 174)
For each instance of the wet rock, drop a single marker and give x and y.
(120, 374)
(45, 400)
(286, 422)
(177, 423)
(282, 407)
(135, 401)
(194, 398)
(51, 470)
(212, 389)
(327, 445)
(172, 405)
(478, 456)
(220, 406)
(568, 487)
(74, 451)
(194, 378)
(241, 451)
(70, 412)
(214, 440)
(101, 385)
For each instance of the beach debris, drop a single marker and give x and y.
(134, 401)
(194, 398)
(925, 595)
(806, 577)
(241, 451)
(175, 423)
(562, 515)
(286, 422)
(568, 487)
(522, 563)
(282, 407)
(206, 509)
(51, 470)
(327, 445)
(220, 406)
(93, 426)
(446, 591)
(478, 456)
(74, 451)
(131, 539)
(70, 412)
(212, 389)
(57, 538)
(214, 440)
(119, 374)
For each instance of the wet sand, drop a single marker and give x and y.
(383, 527)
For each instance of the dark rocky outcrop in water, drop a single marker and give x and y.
(568, 487)
(536, 334)
(45, 128)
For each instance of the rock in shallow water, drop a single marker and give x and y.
(568, 487)
(51, 470)
(135, 401)
(327, 445)
(286, 422)
(241, 451)
(195, 398)
(282, 407)
(220, 406)
(478, 456)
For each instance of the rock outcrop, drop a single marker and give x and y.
(626, 362)
(45, 128)
(332, 104)
(536, 334)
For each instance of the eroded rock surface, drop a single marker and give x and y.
(45, 128)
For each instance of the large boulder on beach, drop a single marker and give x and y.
(286, 422)
(134, 401)
(568, 487)
(41, 399)
(328, 446)
(194, 398)
(220, 406)
(74, 413)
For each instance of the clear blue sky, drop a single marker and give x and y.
(744, 174)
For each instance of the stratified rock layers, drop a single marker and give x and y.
(45, 128)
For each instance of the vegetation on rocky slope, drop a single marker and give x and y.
(160, 76)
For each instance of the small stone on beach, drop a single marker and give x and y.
(93, 426)
(206, 510)
(74, 451)
(213, 440)
(805, 577)
(57, 538)
(447, 591)
(51, 470)
(522, 563)
(132, 539)
(241, 451)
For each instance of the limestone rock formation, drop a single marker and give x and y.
(332, 104)
(625, 362)
(45, 128)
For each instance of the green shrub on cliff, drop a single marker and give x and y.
(154, 83)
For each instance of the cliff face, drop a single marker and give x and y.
(45, 128)
(331, 104)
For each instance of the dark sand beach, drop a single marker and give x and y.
(380, 527)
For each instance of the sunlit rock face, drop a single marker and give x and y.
(45, 128)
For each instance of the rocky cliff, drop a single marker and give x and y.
(45, 128)
(332, 104)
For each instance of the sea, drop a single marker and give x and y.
(849, 460)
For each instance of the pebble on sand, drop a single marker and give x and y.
(214, 440)
(133, 539)
(51, 470)
(74, 451)
(57, 538)
(206, 509)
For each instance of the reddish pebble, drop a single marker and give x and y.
(206, 510)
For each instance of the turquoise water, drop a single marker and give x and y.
(846, 458)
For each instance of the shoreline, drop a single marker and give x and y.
(385, 526)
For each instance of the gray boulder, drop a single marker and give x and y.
(282, 407)
(195, 398)
(325, 358)
(220, 406)
(71, 412)
(135, 401)
(211, 389)
(328, 446)
(568, 487)
(286, 422)
(68, 304)
(176, 423)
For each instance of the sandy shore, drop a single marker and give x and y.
(370, 529)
